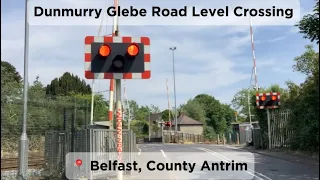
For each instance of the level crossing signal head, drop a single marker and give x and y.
(268, 100)
(168, 123)
(114, 57)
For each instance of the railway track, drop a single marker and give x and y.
(8, 164)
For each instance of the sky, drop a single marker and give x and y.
(216, 60)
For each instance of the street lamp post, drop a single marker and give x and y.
(174, 87)
(23, 150)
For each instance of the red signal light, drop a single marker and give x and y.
(104, 50)
(133, 50)
(168, 123)
(263, 98)
(274, 98)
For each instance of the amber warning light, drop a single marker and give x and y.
(274, 98)
(133, 50)
(104, 50)
(263, 98)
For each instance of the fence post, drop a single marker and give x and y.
(64, 119)
(73, 128)
(224, 139)
(230, 140)
(218, 139)
(86, 114)
(238, 139)
(72, 132)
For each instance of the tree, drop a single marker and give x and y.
(11, 82)
(304, 103)
(9, 73)
(101, 106)
(215, 116)
(133, 107)
(154, 109)
(241, 104)
(165, 115)
(68, 84)
(309, 25)
(194, 110)
(228, 113)
(214, 113)
(37, 91)
(308, 63)
(11, 90)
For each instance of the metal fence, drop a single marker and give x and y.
(170, 137)
(59, 143)
(43, 116)
(281, 133)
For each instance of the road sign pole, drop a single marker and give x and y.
(269, 128)
(119, 124)
(92, 103)
(118, 100)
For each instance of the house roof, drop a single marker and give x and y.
(154, 117)
(186, 120)
(102, 123)
(255, 122)
(182, 119)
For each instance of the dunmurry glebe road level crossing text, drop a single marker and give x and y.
(157, 11)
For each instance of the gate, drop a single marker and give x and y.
(279, 128)
(279, 125)
(59, 143)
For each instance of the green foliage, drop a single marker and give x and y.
(140, 128)
(194, 110)
(216, 116)
(44, 112)
(100, 107)
(68, 84)
(209, 132)
(139, 118)
(165, 115)
(11, 83)
(154, 109)
(240, 101)
(309, 25)
(304, 103)
(308, 63)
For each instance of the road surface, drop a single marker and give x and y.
(265, 167)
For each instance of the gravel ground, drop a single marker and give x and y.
(12, 175)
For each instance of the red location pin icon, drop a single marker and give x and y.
(78, 162)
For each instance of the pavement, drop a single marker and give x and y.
(286, 156)
(262, 165)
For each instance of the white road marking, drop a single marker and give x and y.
(163, 154)
(237, 148)
(250, 171)
(171, 175)
(139, 153)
